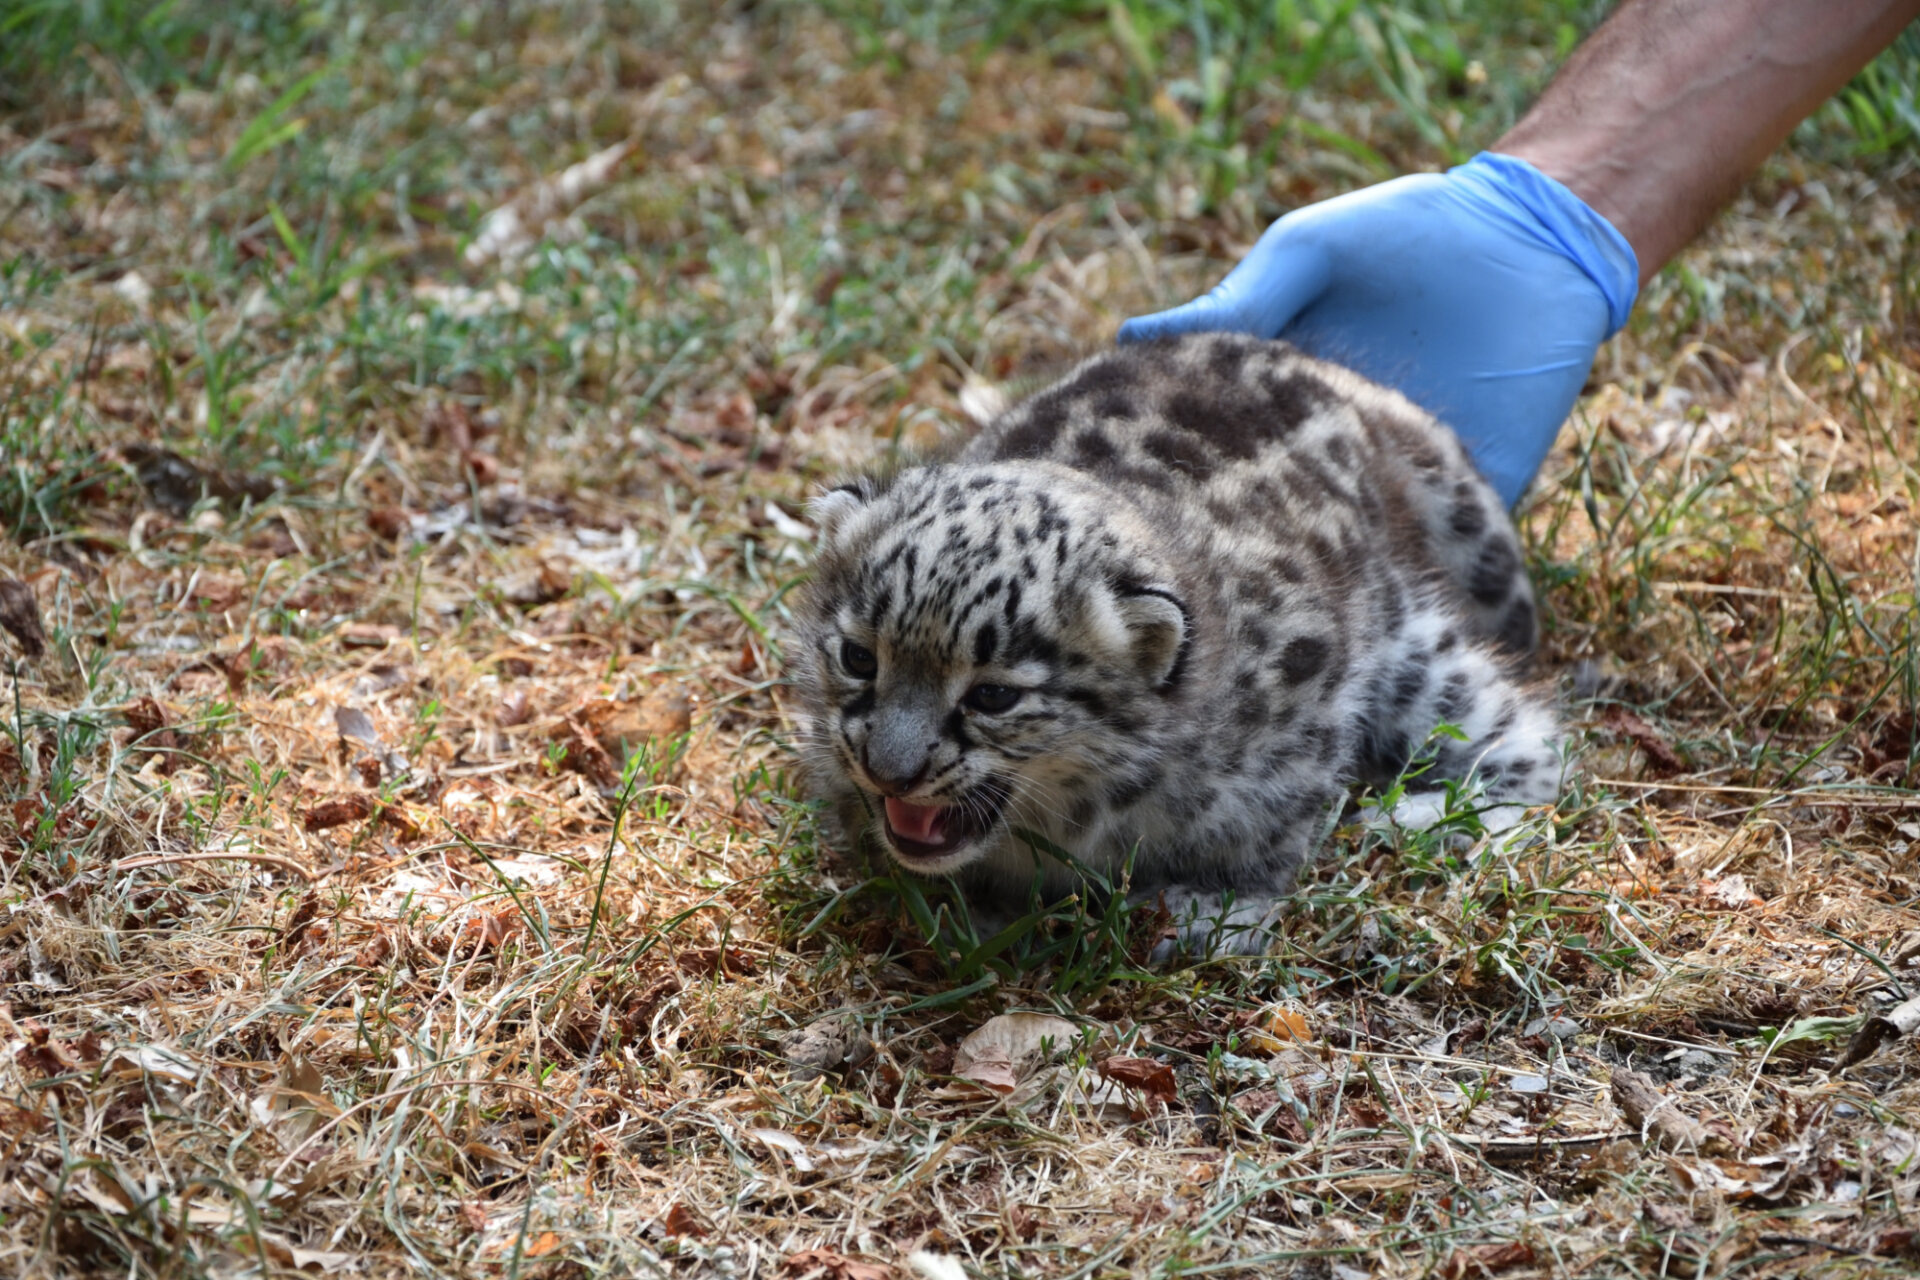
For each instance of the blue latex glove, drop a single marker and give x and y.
(1482, 294)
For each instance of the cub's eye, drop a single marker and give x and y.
(992, 698)
(858, 660)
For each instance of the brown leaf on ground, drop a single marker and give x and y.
(20, 615)
(585, 756)
(485, 467)
(149, 721)
(1662, 759)
(1282, 1120)
(375, 953)
(1899, 1242)
(663, 714)
(303, 913)
(450, 421)
(1666, 1217)
(217, 592)
(494, 928)
(1902, 1020)
(727, 963)
(336, 813)
(405, 825)
(825, 1264)
(1155, 1079)
(548, 583)
(177, 484)
(240, 665)
(513, 710)
(546, 1244)
(1485, 1260)
(389, 523)
(681, 1222)
(47, 1055)
(825, 1046)
(998, 1053)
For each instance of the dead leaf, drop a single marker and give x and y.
(1898, 1242)
(356, 724)
(681, 1222)
(780, 1142)
(585, 756)
(485, 467)
(1662, 759)
(493, 928)
(20, 615)
(1153, 1078)
(824, 1046)
(337, 813)
(1277, 1027)
(513, 710)
(828, 1265)
(546, 1244)
(549, 583)
(406, 824)
(178, 484)
(390, 523)
(1485, 1260)
(663, 714)
(1879, 1028)
(1732, 891)
(1002, 1050)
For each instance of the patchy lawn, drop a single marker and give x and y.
(406, 418)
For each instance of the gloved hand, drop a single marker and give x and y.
(1481, 294)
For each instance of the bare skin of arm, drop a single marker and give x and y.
(1664, 111)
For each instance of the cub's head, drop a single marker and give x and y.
(978, 649)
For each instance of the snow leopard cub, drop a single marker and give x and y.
(1170, 607)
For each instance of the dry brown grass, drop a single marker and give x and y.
(311, 800)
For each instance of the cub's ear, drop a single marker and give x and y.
(981, 401)
(1157, 629)
(830, 510)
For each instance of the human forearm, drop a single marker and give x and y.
(1663, 112)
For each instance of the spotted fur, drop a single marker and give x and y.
(1225, 582)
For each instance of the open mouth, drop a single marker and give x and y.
(935, 832)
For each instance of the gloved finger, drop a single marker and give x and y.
(1272, 284)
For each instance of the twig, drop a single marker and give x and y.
(402, 1091)
(1657, 1116)
(1887, 799)
(229, 855)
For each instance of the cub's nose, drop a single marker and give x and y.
(892, 775)
(899, 749)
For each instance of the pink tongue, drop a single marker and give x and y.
(921, 823)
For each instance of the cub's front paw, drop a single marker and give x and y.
(1206, 925)
(1465, 812)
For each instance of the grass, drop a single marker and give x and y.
(401, 868)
